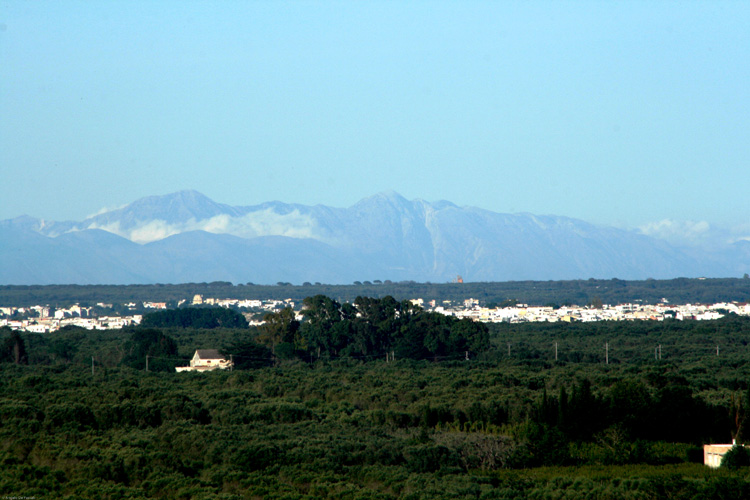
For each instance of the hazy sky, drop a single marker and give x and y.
(626, 114)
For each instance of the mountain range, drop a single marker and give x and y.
(187, 237)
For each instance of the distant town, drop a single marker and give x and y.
(106, 316)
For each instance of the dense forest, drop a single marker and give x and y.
(375, 399)
(580, 292)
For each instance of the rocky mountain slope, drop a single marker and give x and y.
(187, 237)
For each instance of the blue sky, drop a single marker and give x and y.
(628, 114)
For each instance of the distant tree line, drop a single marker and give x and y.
(580, 292)
(193, 317)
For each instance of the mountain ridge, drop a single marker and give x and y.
(186, 236)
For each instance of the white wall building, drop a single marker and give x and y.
(206, 360)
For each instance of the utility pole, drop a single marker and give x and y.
(606, 352)
(659, 351)
(146, 362)
(555, 351)
(92, 366)
(717, 349)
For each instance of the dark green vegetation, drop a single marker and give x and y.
(192, 317)
(499, 425)
(581, 292)
(370, 328)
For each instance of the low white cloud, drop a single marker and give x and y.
(113, 227)
(255, 224)
(695, 233)
(741, 232)
(267, 223)
(681, 232)
(152, 231)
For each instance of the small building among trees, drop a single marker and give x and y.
(206, 360)
(730, 456)
(714, 453)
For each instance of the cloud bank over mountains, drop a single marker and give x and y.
(186, 236)
(696, 233)
(261, 223)
(157, 217)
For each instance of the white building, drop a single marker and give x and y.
(714, 453)
(206, 360)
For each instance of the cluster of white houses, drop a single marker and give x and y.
(622, 312)
(41, 319)
(44, 325)
(264, 305)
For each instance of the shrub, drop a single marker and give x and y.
(737, 456)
